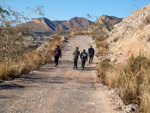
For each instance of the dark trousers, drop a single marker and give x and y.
(83, 63)
(90, 59)
(75, 63)
(56, 59)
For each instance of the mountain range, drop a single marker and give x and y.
(46, 25)
(78, 23)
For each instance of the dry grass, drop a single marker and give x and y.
(3, 71)
(102, 69)
(132, 81)
(145, 101)
(112, 79)
(31, 60)
(101, 44)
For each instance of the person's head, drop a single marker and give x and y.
(91, 46)
(77, 48)
(83, 50)
(57, 46)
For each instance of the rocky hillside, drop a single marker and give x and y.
(108, 21)
(131, 36)
(105, 24)
(46, 25)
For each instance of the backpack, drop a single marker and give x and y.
(84, 55)
(56, 52)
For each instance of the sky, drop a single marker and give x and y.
(67, 9)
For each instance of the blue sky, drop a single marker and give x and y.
(66, 9)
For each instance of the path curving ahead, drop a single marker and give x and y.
(59, 90)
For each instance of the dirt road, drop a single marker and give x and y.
(59, 90)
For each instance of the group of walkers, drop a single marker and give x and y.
(84, 57)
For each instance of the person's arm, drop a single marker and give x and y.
(87, 56)
(60, 52)
(53, 52)
(94, 51)
(88, 50)
(79, 52)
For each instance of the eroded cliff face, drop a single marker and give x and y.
(131, 36)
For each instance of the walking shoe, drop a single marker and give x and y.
(56, 65)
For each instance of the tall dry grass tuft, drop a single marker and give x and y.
(22, 67)
(3, 71)
(131, 80)
(145, 101)
(113, 78)
(102, 69)
(145, 92)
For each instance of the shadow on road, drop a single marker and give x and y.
(10, 86)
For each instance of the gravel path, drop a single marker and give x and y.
(60, 90)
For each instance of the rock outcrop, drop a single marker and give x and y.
(105, 24)
(108, 21)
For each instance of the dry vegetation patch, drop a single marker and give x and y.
(131, 81)
(30, 60)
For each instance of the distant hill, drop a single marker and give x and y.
(46, 25)
(105, 24)
(108, 21)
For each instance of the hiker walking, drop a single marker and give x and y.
(76, 54)
(84, 57)
(91, 54)
(57, 55)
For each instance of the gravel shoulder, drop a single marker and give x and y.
(60, 90)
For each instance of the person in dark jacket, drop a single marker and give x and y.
(84, 57)
(57, 55)
(76, 54)
(91, 54)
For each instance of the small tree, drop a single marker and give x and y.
(11, 36)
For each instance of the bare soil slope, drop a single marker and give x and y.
(59, 90)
